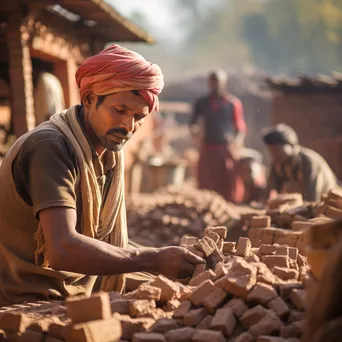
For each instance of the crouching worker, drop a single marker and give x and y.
(62, 207)
(296, 168)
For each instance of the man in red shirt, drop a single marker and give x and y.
(223, 129)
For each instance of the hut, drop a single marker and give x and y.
(59, 33)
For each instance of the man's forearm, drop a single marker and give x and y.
(92, 257)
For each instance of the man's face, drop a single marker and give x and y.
(117, 118)
(280, 153)
(215, 85)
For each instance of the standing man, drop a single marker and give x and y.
(296, 168)
(223, 130)
(62, 206)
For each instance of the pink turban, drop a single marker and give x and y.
(118, 69)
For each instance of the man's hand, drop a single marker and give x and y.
(176, 262)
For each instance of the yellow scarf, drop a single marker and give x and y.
(108, 222)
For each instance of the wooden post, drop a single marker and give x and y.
(20, 72)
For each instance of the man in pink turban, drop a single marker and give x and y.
(62, 207)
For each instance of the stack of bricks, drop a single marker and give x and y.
(241, 294)
(162, 218)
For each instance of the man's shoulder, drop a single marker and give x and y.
(234, 99)
(311, 156)
(46, 139)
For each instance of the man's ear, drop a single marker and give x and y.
(89, 99)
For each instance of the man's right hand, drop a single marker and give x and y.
(176, 262)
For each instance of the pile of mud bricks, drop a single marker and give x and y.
(243, 293)
(162, 218)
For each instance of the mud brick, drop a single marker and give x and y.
(293, 330)
(156, 314)
(252, 258)
(261, 221)
(130, 326)
(276, 260)
(255, 242)
(219, 245)
(220, 270)
(279, 307)
(282, 250)
(199, 269)
(100, 331)
(214, 299)
(245, 337)
(184, 292)
(285, 273)
(195, 317)
(252, 316)
(14, 322)
(180, 335)
(243, 247)
(169, 289)
(171, 305)
(221, 231)
(302, 260)
(205, 324)
(296, 316)
(120, 306)
(164, 325)
(261, 294)
(148, 337)
(267, 250)
(270, 324)
(145, 291)
(298, 299)
(240, 278)
(141, 307)
(206, 245)
(255, 234)
(300, 226)
(286, 289)
(333, 213)
(188, 241)
(207, 275)
(224, 321)
(229, 247)
(237, 305)
(212, 235)
(265, 275)
(183, 309)
(57, 330)
(81, 309)
(207, 335)
(201, 292)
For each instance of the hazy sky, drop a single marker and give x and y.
(156, 11)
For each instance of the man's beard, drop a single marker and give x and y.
(109, 143)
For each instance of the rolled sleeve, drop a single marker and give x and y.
(48, 172)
